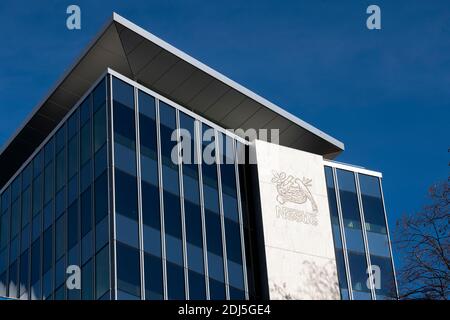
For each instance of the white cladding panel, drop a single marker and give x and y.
(296, 223)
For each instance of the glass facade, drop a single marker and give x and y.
(360, 235)
(178, 224)
(55, 212)
(150, 201)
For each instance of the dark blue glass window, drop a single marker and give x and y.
(86, 176)
(336, 233)
(27, 176)
(387, 289)
(72, 225)
(16, 188)
(87, 285)
(49, 181)
(147, 132)
(60, 271)
(153, 277)
(35, 261)
(87, 247)
(372, 204)
(128, 271)
(38, 163)
(73, 190)
(61, 138)
(175, 282)
(5, 200)
(216, 290)
(127, 230)
(101, 233)
(349, 199)
(173, 228)
(124, 127)
(72, 124)
(236, 294)
(73, 156)
(99, 95)
(13, 280)
(26, 207)
(123, 93)
(101, 161)
(85, 110)
(3, 284)
(60, 170)
(60, 202)
(151, 219)
(358, 267)
(24, 265)
(99, 128)
(102, 272)
(126, 195)
(49, 151)
(85, 143)
(234, 254)
(37, 226)
(86, 212)
(37, 194)
(101, 197)
(47, 249)
(15, 218)
(197, 289)
(60, 237)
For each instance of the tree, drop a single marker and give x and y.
(423, 240)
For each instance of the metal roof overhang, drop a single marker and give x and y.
(146, 59)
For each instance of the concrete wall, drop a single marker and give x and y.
(298, 240)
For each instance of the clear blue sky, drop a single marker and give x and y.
(385, 94)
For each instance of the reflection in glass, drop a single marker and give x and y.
(336, 233)
(128, 271)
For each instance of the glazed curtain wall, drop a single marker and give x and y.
(55, 212)
(360, 235)
(178, 225)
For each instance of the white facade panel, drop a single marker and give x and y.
(296, 223)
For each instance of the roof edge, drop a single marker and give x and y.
(58, 82)
(184, 56)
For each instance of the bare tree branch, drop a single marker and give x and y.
(423, 240)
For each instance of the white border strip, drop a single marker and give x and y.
(349, 167)
(176, 105)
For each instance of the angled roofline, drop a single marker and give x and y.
(184, 56)
(66, 73)
(215, 74)
(106, 50)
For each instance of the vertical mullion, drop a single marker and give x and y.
(199, 158)
(241, 223)
(389, 237)
(218, 160)
(53, 224)
(363, 228)
(342, 231)
(93, 224)
(112, 204)
(161, 200)
(30, 242)
(8, 257)
(182, 210)
(139, 190)
(66, 202)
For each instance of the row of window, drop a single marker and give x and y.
(360, 235)
(55, 212)
(178, 222)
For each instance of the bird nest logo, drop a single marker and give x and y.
(294, 191)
